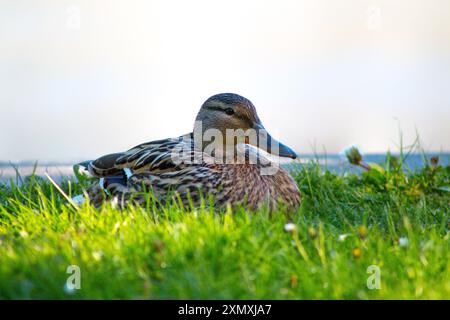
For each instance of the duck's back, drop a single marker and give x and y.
(155, 156)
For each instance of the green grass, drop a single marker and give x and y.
(346, 223)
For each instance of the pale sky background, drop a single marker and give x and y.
(82, 78)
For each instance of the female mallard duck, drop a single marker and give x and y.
(187, 168)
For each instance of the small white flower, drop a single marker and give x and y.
(290, 227)
(403, 242)
(342, 237)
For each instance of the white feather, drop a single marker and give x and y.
(79, 199)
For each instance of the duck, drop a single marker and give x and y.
(227, 160)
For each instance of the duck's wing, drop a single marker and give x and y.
(187, 185)
(163, 165)
(155, 156)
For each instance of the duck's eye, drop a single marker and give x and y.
(229, 111)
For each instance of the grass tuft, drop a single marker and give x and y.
(388, 217)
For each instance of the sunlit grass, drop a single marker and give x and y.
(386, 216)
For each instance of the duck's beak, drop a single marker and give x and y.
(272, 145)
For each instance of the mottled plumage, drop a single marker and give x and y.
(179, 168)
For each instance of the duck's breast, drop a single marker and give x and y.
(247, 182)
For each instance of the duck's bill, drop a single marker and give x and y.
(278, 149)
(271, 145)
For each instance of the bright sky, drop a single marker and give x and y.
(82, 78)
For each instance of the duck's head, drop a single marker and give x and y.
(231, 111)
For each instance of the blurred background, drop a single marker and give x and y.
(82, 78)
